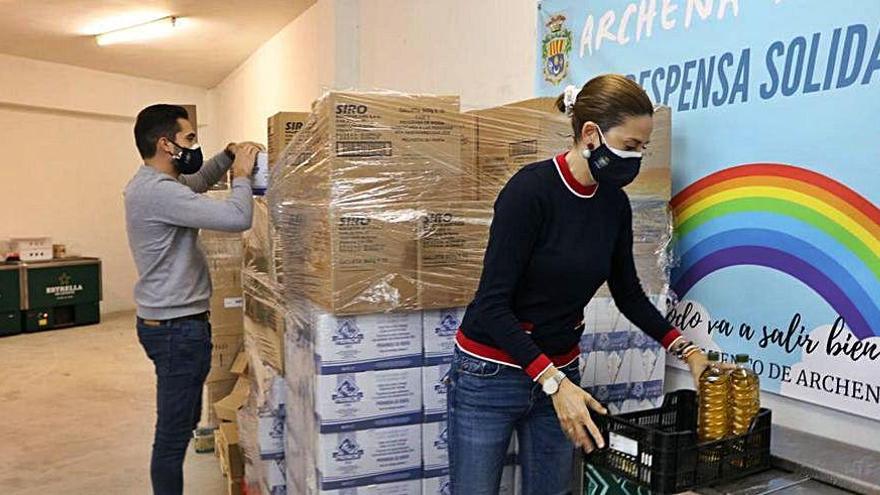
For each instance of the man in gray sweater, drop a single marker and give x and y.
(164, 210)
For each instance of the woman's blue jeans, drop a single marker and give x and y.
(487, 402)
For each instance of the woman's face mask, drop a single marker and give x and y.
(613, 167)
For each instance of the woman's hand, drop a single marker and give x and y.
(573, 406)
(698, 362)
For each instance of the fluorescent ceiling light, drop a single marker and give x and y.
(121, 20)
(150, 30)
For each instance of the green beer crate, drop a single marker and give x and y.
(10, 300)
(61, 294)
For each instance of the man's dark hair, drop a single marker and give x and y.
(154, 122)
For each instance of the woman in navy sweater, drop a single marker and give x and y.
(562, 227)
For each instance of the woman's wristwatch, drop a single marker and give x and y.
(551, 384)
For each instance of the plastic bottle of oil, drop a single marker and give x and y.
(745, 398)
(714, 411)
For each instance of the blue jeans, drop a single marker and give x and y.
(486, 403)
(181, 354)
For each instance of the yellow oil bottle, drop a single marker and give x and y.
(745, 398)
(714, 409)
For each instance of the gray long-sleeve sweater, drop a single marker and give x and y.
(163, 217)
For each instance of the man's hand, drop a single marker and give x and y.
(245, 159)
(233, 148)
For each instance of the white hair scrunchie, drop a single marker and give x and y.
(569, 98)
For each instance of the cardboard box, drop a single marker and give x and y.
(226, 442)
(361, 458)
(270, 434)
(439, 327)
(434, 383)
(225, 349)
(264, 319)
(211, 393)
(272, 478)
(371, 399)
(226, 297)
(412, 487)
(354, 260)
(261, 244)
(234, 486)
(451, 247)
(240, 365)
(282, 128)
(469, 153)
(439, 485)
(435, 449)
(515, 135)
(350, 344)
(387, 148)
(227, 408)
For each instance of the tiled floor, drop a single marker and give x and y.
(77, 414)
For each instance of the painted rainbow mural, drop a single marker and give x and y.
(789, 219)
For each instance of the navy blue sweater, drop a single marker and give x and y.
(552, 244)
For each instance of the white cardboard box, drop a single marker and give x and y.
(435, 449)
(370, 457)
(439, 327)
(367, 342)
(439, 485)
(371, 399)
(411, 487)
(434, 391)
(270, 434)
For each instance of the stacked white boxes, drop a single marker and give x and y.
(355, 400)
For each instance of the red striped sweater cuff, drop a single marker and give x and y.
(670, 337)
(538, 366)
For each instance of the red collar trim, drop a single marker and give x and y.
(573, 185)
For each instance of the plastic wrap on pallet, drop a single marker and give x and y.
(512, 136)
(261, 437)
(264, 320)
(360, 197)
(261, 249)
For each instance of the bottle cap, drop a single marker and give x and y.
(741, 358)
(714, 356)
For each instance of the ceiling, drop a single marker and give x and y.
(213, 39)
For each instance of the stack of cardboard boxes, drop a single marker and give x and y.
(261, 417)
(227, 446)
(223, 252)
(355, 204)
(377, 217)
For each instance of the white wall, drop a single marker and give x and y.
(809, 418)
(286, 73)
(483, 51)
(68, 151)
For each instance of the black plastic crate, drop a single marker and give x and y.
(659, 449)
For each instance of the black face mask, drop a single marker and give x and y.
(189, 160)
(613, 167)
